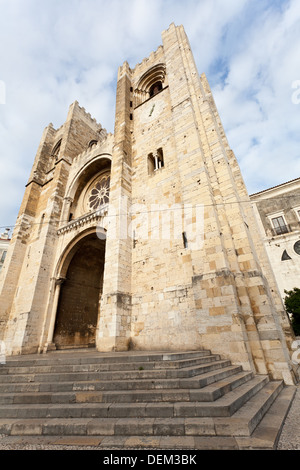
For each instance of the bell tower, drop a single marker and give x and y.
(191, 271)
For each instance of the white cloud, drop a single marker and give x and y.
(65, 50)
(256, 100)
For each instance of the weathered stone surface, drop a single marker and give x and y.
(140, 240)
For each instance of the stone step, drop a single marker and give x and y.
(137, 374)
(224, 406)
(103, 426)
(267, 433)
(153, 444)
(104, 367)
(209, 393)
(135, 399)
(145, 426)
(87, 356)
(197, 381)
(245, 419)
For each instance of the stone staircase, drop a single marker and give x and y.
(135, 399)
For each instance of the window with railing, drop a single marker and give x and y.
(279, 225)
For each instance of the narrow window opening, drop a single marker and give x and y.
(131, 117)
(134, 240)
(155, 161)
(185, 241)
(151, 163)
(41, 224)
(160, 158)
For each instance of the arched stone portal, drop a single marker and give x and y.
(78, 305)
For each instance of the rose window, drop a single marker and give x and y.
(99, 195)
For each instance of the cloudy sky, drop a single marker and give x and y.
(55, 52)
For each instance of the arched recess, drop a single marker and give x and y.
(80, 282)
(152, 82)
(77, 200)
(56, 149)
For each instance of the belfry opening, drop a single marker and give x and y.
(81, 288)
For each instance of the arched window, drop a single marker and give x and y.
(98, 194)
(156, 88)
(89, 190)
(155, 161)
(56, 149)
(92, 143)
(151, 83)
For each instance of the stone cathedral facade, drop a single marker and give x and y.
(145, 239)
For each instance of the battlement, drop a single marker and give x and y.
(148, 61)
(79, 112)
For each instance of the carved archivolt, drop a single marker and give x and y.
(153, 76)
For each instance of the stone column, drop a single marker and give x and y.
(49, 345)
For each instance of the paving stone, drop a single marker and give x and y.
(78, 441)
(213, 443)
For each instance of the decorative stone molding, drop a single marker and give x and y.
(84, 220)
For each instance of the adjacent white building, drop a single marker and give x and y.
(278, 214)
(4, 242)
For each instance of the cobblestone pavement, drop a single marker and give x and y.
(290, 435)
